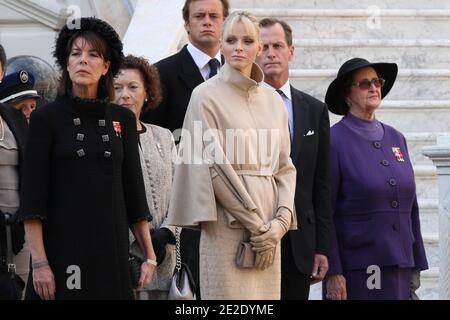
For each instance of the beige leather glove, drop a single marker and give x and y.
(277, 229)
(264, 259)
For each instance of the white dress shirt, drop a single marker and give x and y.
(201, 59)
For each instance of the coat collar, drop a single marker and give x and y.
(238, 79)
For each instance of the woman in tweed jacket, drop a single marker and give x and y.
(137, 88)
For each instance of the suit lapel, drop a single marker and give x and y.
(300, 109)
(190, 74)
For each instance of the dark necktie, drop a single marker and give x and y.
(213, 66)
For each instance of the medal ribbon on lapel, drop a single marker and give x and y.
(117, 128)
(398, 154)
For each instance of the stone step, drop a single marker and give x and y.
(411, 84)
(429, 284)
(362, 24)
(426, 182)
(333, 4)
(408, 54)
(416, 142)
(403, 115)
(429, 215)
(431, 242)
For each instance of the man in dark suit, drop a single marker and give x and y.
(180, 73)
(304, 251)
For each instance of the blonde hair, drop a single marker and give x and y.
(249, 21)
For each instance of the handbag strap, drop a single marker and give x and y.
(6, 251)
(178, 249)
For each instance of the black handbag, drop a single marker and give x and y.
(11, 285)
(135, 264)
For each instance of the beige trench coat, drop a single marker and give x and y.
(236, 130)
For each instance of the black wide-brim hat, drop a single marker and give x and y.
(336, 90)
(103, 29)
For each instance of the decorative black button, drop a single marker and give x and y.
(81, 153)
(107, 154)
(101, 123)
(392, 182)
(396, 227)
(394, 204)
(80, 137)
(77, 121)
(105, 138)
(377, 144)
(385, 163)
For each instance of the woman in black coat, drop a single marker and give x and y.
(83, 183)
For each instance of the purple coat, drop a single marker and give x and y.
(374, 203)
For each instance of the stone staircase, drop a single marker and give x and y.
(415, 35)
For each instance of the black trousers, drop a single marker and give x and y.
(294, 284)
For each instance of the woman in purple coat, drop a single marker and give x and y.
(377, 246)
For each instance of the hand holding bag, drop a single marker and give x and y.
(182, 286)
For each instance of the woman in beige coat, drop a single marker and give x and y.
(234, 178)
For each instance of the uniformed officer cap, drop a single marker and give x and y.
(17, 86)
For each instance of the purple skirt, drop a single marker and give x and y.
(395, 284)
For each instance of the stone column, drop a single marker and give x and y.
(440, 155)
(156, 29)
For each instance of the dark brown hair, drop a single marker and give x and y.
(185, 11)
(106, 82)
(150, 75)
(2, 57)
(268, 22)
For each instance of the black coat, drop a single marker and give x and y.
(18, 125)
(179, 76)
(83, 179)
(311, 157)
